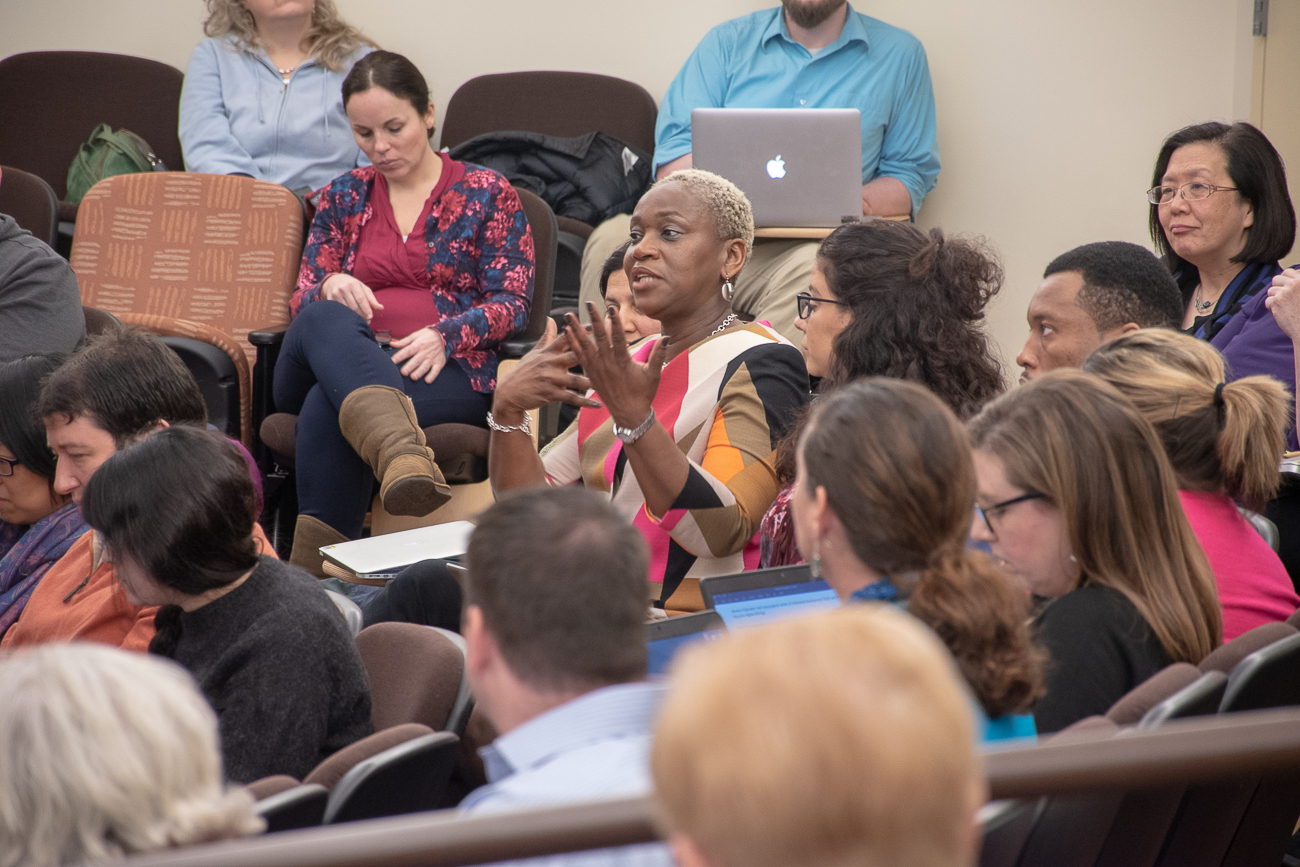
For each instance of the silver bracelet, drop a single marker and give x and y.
(631, 435)
(526, 427)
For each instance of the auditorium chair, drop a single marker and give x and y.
(407, 778)
(417, 675)
(1201, 697)
(331, 770)
(564, 104)
(296, 807)
(31, 202)
(1225, 657)
(351, 612)
(1230, 822)
(100, 322)
(200, 260)
(1182, 752)
(51, 101)
(460, 450)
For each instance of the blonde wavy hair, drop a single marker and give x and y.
(826, 741)
(105, 753)
(1221, 437)
(332, 39)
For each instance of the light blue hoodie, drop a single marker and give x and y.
(238, 116)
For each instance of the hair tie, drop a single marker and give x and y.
(1218, 394)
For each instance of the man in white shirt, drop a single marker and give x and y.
(556, 598)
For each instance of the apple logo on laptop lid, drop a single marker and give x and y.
(776, 168)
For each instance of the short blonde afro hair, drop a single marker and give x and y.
(729, 207)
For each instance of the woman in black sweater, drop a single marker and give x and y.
(1078, 502)
(270, 651)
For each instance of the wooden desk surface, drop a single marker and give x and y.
(814, 234)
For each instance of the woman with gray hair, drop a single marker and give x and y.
(677, 429)
(106, 753)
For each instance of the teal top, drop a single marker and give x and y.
(1009, 727)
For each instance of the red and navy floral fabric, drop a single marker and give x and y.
(479, 266)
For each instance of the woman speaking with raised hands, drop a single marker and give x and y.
(675, 431)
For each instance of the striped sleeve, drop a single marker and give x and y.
(731, 486)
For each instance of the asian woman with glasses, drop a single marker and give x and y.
(1222, 218)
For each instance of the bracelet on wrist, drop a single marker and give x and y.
(525, 428)
(631, 435)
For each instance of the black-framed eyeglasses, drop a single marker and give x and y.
(7, 466)
(807, 301)
(1191, 192)
(988, 514)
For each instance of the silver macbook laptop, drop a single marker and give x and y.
(800, 167)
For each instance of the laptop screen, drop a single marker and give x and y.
(665, 637)
(663, 650)
(765, 604)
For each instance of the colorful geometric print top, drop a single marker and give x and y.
(726, 403)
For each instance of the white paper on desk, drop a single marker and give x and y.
(394, 550)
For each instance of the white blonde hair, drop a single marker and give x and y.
(826, 741)
(732, 215)
(104, 753)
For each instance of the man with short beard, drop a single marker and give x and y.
(802, 54)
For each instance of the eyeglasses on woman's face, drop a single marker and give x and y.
(807, 304)
(995, 512)
(7, 466)
(1191, 192)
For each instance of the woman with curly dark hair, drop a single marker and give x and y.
(888, 299)
(882, 506)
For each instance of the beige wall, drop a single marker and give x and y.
(1050, 114)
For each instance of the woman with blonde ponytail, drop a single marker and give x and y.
(882, 505)
(1224, 441)
(1079, 504)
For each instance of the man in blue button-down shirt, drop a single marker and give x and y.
(814, 54)
(556, 599)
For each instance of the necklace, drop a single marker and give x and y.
(726, 323)
(285, 73)
(1202, 307)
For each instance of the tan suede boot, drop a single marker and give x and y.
(380, 424)
(309, 536)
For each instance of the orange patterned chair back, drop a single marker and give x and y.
(211, 257)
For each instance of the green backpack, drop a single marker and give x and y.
(108, 153)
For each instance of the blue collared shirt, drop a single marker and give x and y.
(595, 747)
(752, 62)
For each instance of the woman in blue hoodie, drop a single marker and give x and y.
(262, 96)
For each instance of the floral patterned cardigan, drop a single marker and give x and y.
(480, 263)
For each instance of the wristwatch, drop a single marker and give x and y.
(630, 435)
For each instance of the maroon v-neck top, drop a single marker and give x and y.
(394, 267)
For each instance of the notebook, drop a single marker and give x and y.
(665, 637)
(386, 555)
(800, 167)
(753, 598)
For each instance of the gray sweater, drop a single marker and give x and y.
(40, 305)
(276, 661)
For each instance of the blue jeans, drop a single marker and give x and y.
(329, 352)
